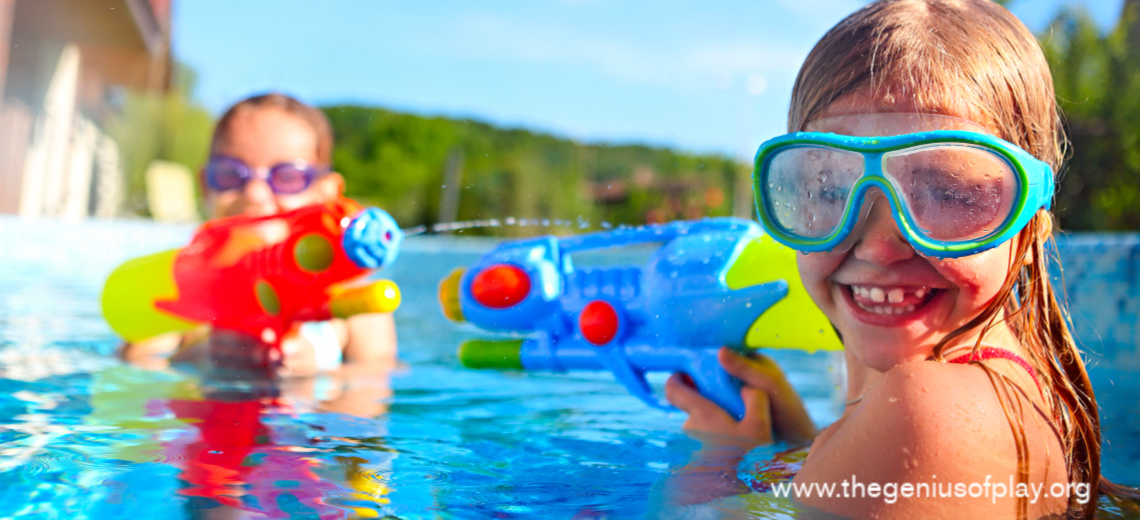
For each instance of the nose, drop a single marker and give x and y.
(878, 239)
(256, 199)
(256, 190)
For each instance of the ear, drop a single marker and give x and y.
(330, 187)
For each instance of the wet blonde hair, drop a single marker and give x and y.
(975, 57)
(313, 117)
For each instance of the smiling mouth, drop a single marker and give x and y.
(890, 300)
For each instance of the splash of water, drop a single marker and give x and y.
(580, 223)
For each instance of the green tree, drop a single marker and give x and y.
(1097, 76)
(398, 161)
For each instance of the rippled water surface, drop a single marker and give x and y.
(83, 435)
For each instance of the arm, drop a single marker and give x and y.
(928, 422)
(365, 340)
(152, 353)
(160, 351)
(773, 410)
(370, 339)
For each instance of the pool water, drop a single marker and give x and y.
(83, 435)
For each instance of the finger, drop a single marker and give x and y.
(757, 420)
(786, 413)
(759, 373)
(679, 391)
(703, 413)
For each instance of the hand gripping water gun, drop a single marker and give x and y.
(713, 282)
(259, 275)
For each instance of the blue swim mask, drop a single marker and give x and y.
(953, 189)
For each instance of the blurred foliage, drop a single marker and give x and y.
(166, 126)
(1097, 77)
(399, 162)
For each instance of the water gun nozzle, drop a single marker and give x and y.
(449, 296)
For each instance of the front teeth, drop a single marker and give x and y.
(895, 296)
(877, 295)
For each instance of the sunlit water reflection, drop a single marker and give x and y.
(83, 435)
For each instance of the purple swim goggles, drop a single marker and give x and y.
(288, 178)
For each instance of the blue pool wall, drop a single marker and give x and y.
(1101, 274)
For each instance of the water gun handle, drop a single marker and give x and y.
(715, 384)
(702, 367)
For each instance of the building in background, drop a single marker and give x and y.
(63, 66)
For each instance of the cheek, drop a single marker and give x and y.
(815, 270)
(978, 278)
(222, 204)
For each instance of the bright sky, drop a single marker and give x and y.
(694, 75)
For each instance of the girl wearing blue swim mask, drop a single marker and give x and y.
(917, 182)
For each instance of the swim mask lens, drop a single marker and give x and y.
(952, 192)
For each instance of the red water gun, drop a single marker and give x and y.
(261, 276)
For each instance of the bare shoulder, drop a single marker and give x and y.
(934, 415)
(932, 403)
(935, 422)
(173, 347)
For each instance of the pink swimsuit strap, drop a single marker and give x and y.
(985, 353)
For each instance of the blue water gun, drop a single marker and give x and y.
(713, 282)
